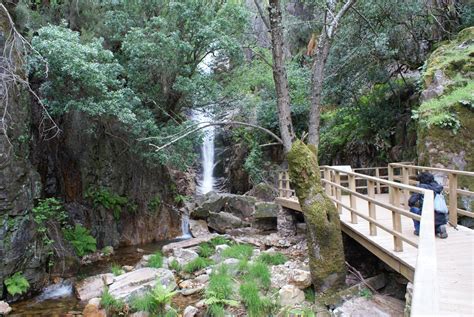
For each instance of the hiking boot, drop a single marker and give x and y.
(416, 233)
(442, 232)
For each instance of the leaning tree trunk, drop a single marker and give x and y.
(326, 252)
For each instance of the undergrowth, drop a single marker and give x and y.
(156, 260)
(275, 258)
(238, 251)
(197, 264)
(256, 304)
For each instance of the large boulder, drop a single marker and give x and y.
(211, 202)
(263, 192)
(265, 210)
(377, 306)
(168, 249)
(138, 282)
(183, 256)
(290, 295)
(93, 286)
(238, 205)
(198, 228)
(223, 221)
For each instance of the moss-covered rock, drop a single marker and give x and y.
(324, 237)
(446, 117)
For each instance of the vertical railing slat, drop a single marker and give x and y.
(353, 202)
(371, 194)
(453, 199)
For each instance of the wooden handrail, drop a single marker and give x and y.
(435, 169)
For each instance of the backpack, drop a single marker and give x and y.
(440, 204)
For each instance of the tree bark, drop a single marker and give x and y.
(324, 237)
(280, 77)
(332, 21)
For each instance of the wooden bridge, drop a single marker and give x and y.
(372, 203)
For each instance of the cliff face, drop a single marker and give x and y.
(446, 116)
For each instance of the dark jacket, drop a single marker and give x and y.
(418, 197)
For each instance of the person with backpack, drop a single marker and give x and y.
(426, 180)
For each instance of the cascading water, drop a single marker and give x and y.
(206, 182)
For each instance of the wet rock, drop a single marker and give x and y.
(168, 249)
(184, 256)
(139, 281)
(127, 268)
(223, 221)
(263, 192)
(191, 291)
(290, 295)
(5, 309)
(377, 306)
(92, 286)
(93, 311)
(94, 301)
(198, 228)
(190, 311)
(143, 261)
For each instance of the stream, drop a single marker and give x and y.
(59, 299)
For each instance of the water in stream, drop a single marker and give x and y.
(58, 299)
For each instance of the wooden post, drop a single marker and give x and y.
(390, 188)
(406, 181)
(371, 193)
(287, 185)
(377, 174)
(397, 220)
(280, 184)
(338, 191)
(453, 199)
(353, 203)
(327, 176)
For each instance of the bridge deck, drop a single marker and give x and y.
(455, 256)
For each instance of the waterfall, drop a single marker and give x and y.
(63, 289)
(206, 182)
(185, 233)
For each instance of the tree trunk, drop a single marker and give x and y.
(326, 252)
(280, 77)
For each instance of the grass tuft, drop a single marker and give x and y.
(113, 307)
(174, 265)
(276, 258)
(256, 305)
(309, 295)
(259, 272)
(156, 260)
(238, 251)
(197, 264)
(219, 292)
(220, 240)
(206, 250)
(116, 269)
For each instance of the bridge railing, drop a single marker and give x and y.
(405, 173)
(426, 290)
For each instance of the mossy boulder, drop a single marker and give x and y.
(446, 116)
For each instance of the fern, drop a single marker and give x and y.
(81, 240)
(17, 284)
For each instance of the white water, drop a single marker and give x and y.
(206, 182)
(185, 233)
(59, 290)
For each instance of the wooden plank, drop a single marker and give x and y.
(371, 206)
(453, 199)
(338, 190)
(352, 198)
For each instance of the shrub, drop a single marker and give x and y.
(174, 265)
(110, 201)
(113, 306)
(116, 269)
(81, 240)
(259, 271)
(238, 251)
(206, 250)
(256, 305)
(155, 301)
(197, 264)
(276, 258)
(17, 284)
(156, 260)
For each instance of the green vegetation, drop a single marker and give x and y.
(154, 204)
(156, 260)
(47, 211)
(197, 264)
(206, 250)
(309, 295)
(273, 258)
(174, 265)
(81, 240)
(116, 269)
(112, 306)
(219, 292)
(366, 293)
(219, 240)
(17, 284)
(108, 200)
(258, 272)
(256, 304)
(238, 251)
(155, 302)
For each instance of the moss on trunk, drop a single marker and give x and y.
(326, 252)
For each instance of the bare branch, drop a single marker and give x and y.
(262, 14)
